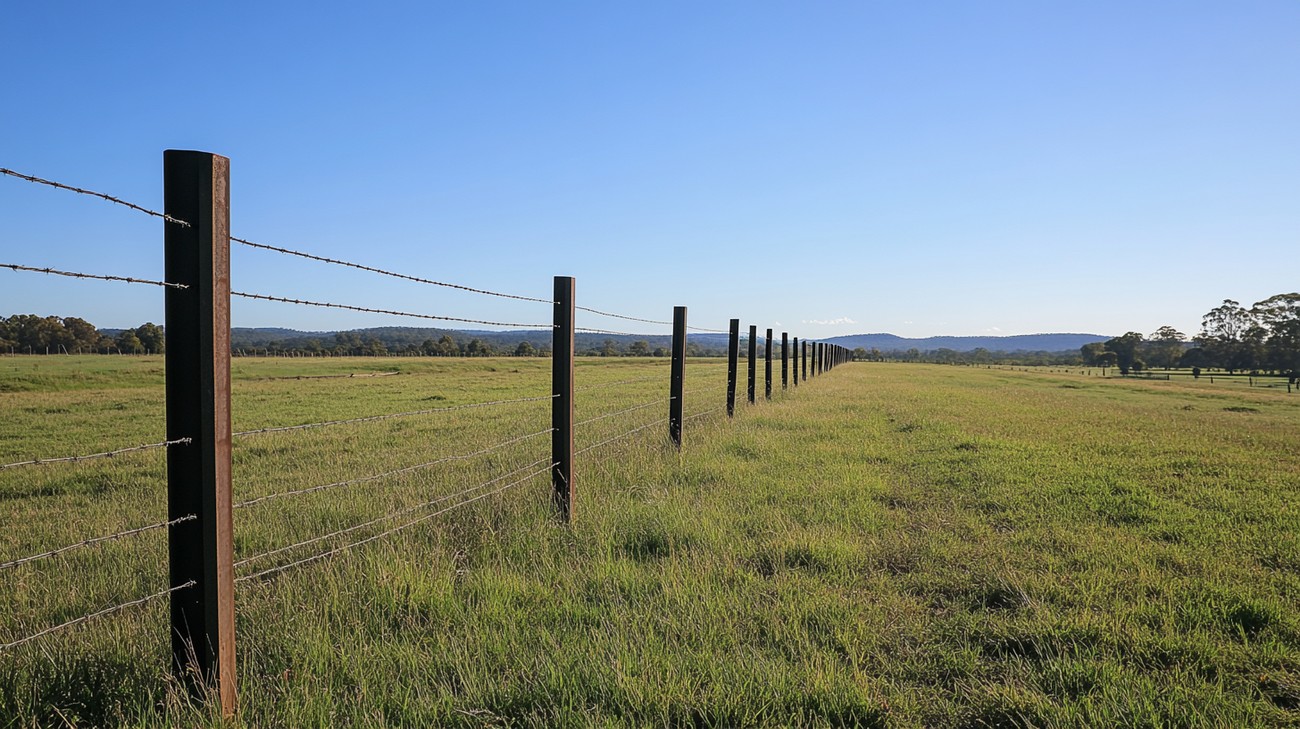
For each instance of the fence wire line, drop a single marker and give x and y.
(605, 385)
(100, 613)
(710, 331)
(372, 269)
(92, 456)
(97, 540)
(100, 277)
(625, 434)
(406, 469)
(706, 412)
(92, 193)
(391, 515)
(390, 416)
(390, 312)
(394, 530)
(621, 316)
(624, 412)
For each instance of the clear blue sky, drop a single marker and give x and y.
(920, 168)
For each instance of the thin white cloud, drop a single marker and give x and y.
(829, 322)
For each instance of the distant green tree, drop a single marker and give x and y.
(1125, 349)
(128, 343)
(639, 348)
(152, 337)
(525, 349)
(1166, 346)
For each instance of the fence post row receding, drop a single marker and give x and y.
(196, 189)
(200, 543)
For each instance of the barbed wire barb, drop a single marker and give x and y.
(97, 540)
(92, 193)
(100, 613)
(93, 456)
(386, 474)
(372, 269)
(389, 312)
(99, 277)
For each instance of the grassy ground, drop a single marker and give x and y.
(889, 545)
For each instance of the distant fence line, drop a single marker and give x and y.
(200, 505)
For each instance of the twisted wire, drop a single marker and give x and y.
(92, 456)
(372, 269)
(625, 434)
(710, 331)
(100, 613)
(385, 517)
(620, 316)
(92, 193)
(394, 530)
(390, 312)
(376, 477)
(100, 277)
(624, 412)
(97, 540)
(389, 416)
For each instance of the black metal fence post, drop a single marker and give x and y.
(785, 361)
(733, 354)
(676, 404)
(767, 366)
(562, 402)
(753, 360)
(196, 189)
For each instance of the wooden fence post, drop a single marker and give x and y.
(562, 402)
(678, 385)
(767, 366)
(196, 189)
(733, 354)
(753, 360)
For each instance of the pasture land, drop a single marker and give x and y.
(887, 545)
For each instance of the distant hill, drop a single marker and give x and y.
(1015, 343)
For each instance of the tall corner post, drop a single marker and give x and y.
(733, 355)
(200, 551)
(562, 332)
(676, 405)
(753, 360)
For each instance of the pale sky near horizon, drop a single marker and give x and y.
(822, 168)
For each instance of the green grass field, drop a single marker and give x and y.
(887, 545)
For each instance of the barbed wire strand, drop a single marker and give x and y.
(92, 193)
(710, 331)
(625, 434)
(394, 530)
(92, 456)
(621, 316)
(706, 412)
(99, 277)
(385, 517)
(390, 416)
(589, 330)
(100, 613)
(624, 412)
(606, 385)
(390, 312)
(97, 540)
(372, 269)
(376, 477)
